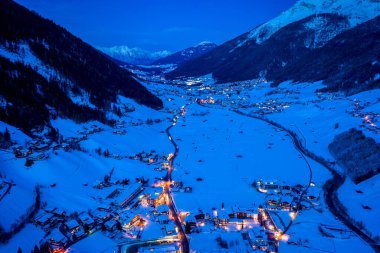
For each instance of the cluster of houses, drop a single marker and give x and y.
(369, 119)
(269, 106)
(120, 217)
(93, 129)
(285, 197)
(234, 221)
(156, 199)
(208, 100)
(37, 148)
(232, 95)
(178, 186)
(61, 229)
(257, 228)
(135, 227)
(149, 158)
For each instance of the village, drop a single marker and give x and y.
(136, 212)
(129, 208)
(127, 214)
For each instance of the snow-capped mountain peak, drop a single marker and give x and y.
(356, 11)
(205, 43)
(188, 53)
(133, 55)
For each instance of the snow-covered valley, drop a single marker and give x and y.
(268, 142)
(108, 192)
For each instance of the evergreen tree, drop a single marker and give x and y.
(45, 248)
(36, 249)
(7, 135)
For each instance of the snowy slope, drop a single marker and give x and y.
(76, 172)
(321, 30)
(357, 11)
(27, 57)
(45, 71)
(187, 53)
(200, 45)
(356, 197)
(133, 55)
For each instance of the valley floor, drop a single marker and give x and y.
(230, 171)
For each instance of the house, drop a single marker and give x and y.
(221, 222)
(110, 225)
(41, 148)
(241, 215)
(103, 208)
(201, 216)
(272, 202)
(170, 228)
(86, 218)
(161, 200)
(57, 212)
(120, 132)
(163, 209)
(188, 189)
(137, 221)
(162, 219)
(72, 226)
(256, 239)
(238, 215)
(178, 184)
(56, 238)
(43, 219)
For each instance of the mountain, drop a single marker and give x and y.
(356, 11)
(187, 54)
(47, 72)
(350, 62)
(304, 34)
(135, 56)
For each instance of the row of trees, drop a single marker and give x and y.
(21, 223)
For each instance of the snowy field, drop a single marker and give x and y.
(228, 152)
(221, 155)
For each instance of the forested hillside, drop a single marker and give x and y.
(76, 68)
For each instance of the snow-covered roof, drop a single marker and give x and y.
(72, 223)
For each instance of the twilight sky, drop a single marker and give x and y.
(157, 24)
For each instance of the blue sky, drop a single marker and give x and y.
(157, 24)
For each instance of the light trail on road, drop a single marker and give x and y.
(184, 242)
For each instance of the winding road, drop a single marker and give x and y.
(184, 242)
(331, 186)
